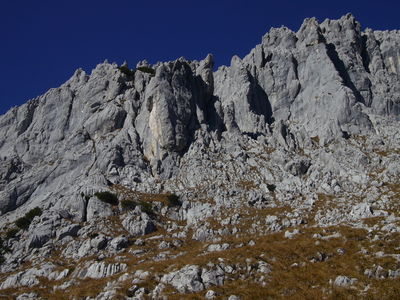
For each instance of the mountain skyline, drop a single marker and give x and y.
(258, 180)
(44, 43)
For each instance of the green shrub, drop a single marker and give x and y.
(93, 235)
(11, 233)
(146, 207)
(147, 70)
(271, 187)
(3, 249)
(128, 72)
(33, 213)
(128, 204)
(107, 197)
(25, 221)
(173, 200)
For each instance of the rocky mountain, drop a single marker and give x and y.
(274, 177)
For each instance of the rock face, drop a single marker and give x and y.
(322, 81)
(191, 278)
(303, 132)
(139, 225)
(99, 270)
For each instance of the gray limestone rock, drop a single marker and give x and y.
(138, 225)
(97, 209)
(27, 278)
(28, 296)
(70, 230)
(344, 281)
(118, 243)
(187, 279)
(362, 210)
(99, 270)
(192, 278)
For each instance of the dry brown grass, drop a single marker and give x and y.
(305, 280)
(308, 281)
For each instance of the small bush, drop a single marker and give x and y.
(33, 213)
(128, 72)
(3, 249)
(271, 187)
(11, 233)
(23, 223)
(107, 197)
(173, 200)
(93, 235)
(146, 207)
(128, 204)
(147, 70)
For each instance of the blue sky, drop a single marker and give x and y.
(43, 42)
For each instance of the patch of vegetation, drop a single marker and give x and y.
(128, 72)
(3, 250)
(25, 221)
(146, 207)
(147, 70)
(93, 235)
(271, 187)
(173, 200)
(315, 139)
(33, 213)
(11, 233)
(128, 204)
(107, 197)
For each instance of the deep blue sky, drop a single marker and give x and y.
(43, 42)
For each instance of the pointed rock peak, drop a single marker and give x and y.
(310, 33)
(209, 61)
(347, 21)
(142, 63)
(348, 16)
(205, 64)
(236, 61)
(79, 73)
(309, 23)
(104, 68)
(77, 78)
(282, 36)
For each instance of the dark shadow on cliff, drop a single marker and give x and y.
(260, 103)
(341, 68)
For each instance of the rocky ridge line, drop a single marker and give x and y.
(291, 143)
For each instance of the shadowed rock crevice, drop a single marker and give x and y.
(364, 53)
(341, 68)
(259, 101)
(26, 113)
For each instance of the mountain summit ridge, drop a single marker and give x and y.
(317, 82)
(307, 121)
